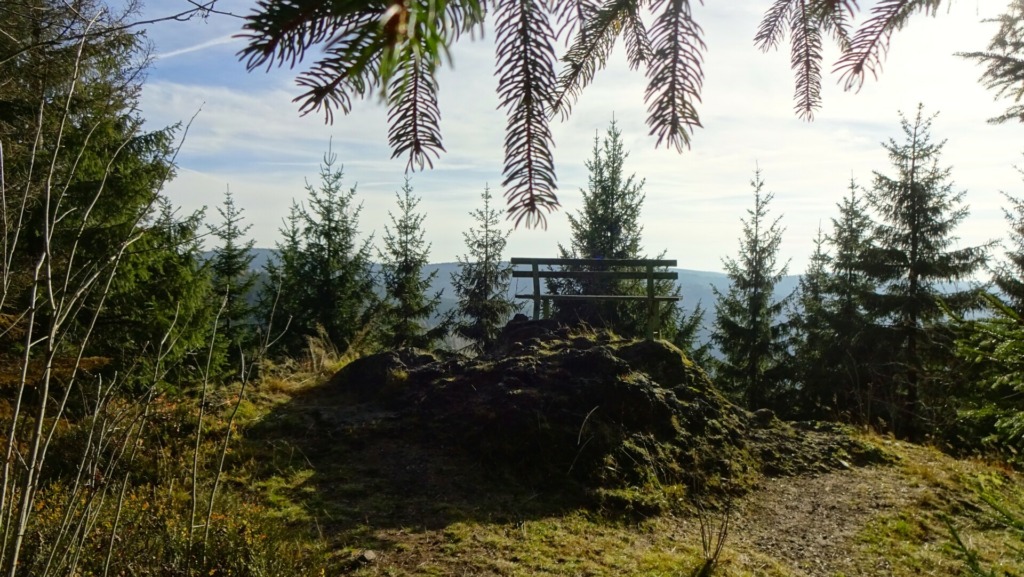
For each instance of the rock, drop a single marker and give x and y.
(592, 413)
(593, 361)
(764, 417)
(664, 363)
(382, 376)
(414, 358)
(366, 557)
(520, 331)
(360, 559)
(555, 407)
(371, 378)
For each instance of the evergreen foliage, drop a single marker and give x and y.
(321, 280)
(1008, 276)
(233, 280)
(1004, 67)
(914, 262)
(160, 302)
(687, 337)
(813, 334)
(400, 59)
(833, 343)
(337, 267)
(96, 262)
(992, 404)
(102, 292)
(991, 414)
(481, 283)
(396, 50)
(854, 340)
(608, 227)
(279, 303)
(83, 222)
(407, 308)
(748, 329)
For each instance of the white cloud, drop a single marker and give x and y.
(221, 41)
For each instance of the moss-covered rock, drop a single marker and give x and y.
(380, 377)
(553, 406)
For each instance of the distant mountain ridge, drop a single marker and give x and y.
(696, 286)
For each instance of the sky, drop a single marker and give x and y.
(248, 135)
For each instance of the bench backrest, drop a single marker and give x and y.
(604, 270)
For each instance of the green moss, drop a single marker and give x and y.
(287, 493)
(912, 542)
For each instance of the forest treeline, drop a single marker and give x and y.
(99, 266)
(111, 318)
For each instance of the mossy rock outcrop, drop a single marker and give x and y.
(555, 406)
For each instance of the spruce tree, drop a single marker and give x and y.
(72, 77)
(687, 337)
(281, 302)
(748, 329)
(336, 266)
(233, 280)
(407, 307)
(321, 279)
(102, 286)
(989, 403)
(159, 303)
(856, 345)
(834, 343)
(916, 256)
(608, 227)
(990, 406)
(1008, 276)
(481, 283)
(813, 334)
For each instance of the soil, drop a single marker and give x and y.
(811, 522)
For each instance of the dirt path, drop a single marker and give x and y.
(812, 522)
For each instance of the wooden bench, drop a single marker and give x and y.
(595, 268)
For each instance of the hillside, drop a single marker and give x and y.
(568, 453)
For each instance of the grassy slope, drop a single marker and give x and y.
(424, 512)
